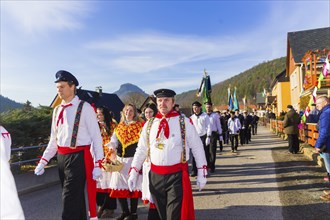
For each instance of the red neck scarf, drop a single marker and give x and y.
(60, 116)
(163, 125)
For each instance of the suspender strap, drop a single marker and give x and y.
(183, 138)
(76, 125)
(150, 121)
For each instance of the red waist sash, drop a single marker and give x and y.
(187, 207)
(89, 166)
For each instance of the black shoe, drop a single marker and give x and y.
(212, 170)
(131, 217)
(193, 174)
(123, 216)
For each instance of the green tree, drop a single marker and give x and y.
(28, 127)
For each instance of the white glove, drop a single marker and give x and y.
(207, 141)
(40, 169)
(132, 179)
(201, 178)
(97, 173)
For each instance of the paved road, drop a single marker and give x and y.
(244, 184)
(261, 181)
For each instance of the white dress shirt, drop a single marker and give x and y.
(88, 132)
(171, 152)
(234, 125)
(202, 124)
(215, 122)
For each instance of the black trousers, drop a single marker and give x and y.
(207, 155)
(72, 175)
(105, 202)
(249, 130)
(166, 191)
(242, 136)
(124, 205)
(234, 141)
(226, 137)
(220, 142)
(254, 129)
(153, 214)
(245, 136)
(293, 143)
(213, 150)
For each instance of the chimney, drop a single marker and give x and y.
(99, 90)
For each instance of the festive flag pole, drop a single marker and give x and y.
(236, 105)
(205, 89)
(244, 101)
(230, 100)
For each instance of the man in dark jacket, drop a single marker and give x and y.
(314, 114)
(322, 145)
(254, 123)
(246, 131)
(290, 123)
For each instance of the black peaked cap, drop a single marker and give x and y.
(65, 76)
(196, 103)
(164, 93)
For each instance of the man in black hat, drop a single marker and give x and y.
(216, 130)
(313, 116)
(74, 133)
(201, 122)
(290, 124)
(169, 138)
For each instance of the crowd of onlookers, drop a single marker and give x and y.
(320, 114)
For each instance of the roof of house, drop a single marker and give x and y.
(282, 77)
(303, 41)
(110, 101)
(149, 99)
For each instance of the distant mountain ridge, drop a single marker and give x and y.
(8, 104)
(128, 88)
(248, 83)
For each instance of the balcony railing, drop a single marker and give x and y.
(312, 81)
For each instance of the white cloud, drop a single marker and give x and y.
(38, 16)
(149, 59)
(151, 52)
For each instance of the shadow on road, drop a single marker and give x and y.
(231, 213)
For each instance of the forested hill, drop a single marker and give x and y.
(248, 83)
(8, 104)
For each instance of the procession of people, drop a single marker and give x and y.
(156, 152)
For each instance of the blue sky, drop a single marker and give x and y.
(151, 44)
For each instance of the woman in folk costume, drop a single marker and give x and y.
(106, 205)
(124, 139)
(149, 112)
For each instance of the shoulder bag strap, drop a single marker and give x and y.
(76, 124)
